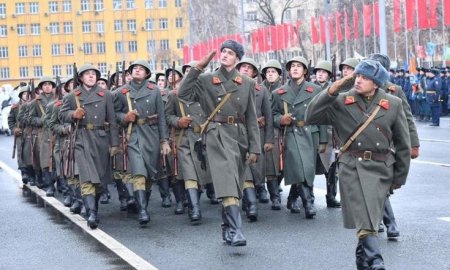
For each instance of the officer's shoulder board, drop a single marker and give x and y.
(238, 79)
(309, 89)
(101, 93)
(349, 100)
(281, 91)
(77, 92)
(124, 91)
(216, 80)
(384, 103)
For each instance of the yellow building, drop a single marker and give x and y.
(42, 37)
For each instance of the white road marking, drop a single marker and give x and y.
(109, 242)
(434, 140)
(430, 163)
(444, 219)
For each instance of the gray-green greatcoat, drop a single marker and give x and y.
(327, 157)
(60, 131)
(92, 146)
(301, 142)
(189, 166)
(364, 184)
(15, 122)
(143, 148)
(28, 135)
(226, 144)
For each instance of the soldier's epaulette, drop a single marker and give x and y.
(309, 89)
(151, 86)
(58, 103)
(216, 80)
(392, 88)
(101, 93)
(384, 103)
(14, 106)
(124, 91)
(257, 87)
(281, 91)
(77, 93)
(238, 79)
(349, 100)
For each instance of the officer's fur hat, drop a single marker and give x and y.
(373, 70)
(234, 46)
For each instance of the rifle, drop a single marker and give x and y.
(108, 82)
(308, 77)
(281, 139)
(124, 151)
(174, 152)
(75, 76)
(333, 68)
(123, 73)
(52, 148)
(283, 74)
(173, 75)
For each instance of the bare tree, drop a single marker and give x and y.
(267, 10)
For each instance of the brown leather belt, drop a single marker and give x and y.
(369, 155)
(90, 126)
(196, 129)
(228, 119)
(299, 123)
(151, 120)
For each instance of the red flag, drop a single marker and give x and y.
(314, 34)
(355, 23)
(446, 12)
(346, 26)
(433, 15)
(273, 38)
(423, 18)
(377, 18)
(367, 20)
(410, 13)
(255, 41)
(296, 34)
(197, 53)
(420, 52)
(339, 36)
(322, 30)
(186, 56)
(331, 28)
(397, 16)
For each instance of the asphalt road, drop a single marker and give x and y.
(278, 240)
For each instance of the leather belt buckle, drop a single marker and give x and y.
(367, 155)
(141, 122)
(89, 126)
(230, 120)
(300, 123)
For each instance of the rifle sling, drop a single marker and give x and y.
(130, 125)
(217, 109)
(183, 114)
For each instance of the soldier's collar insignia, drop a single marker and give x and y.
(281, 91)
(309, 89)
(392, 88)
(216, 80)
(77, 93)
(101, 93)
(257, 87)
(349, 100)
(124, 91)
(238, 79)
(151, 86)
(384, 103)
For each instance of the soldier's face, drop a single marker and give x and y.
(173, 75)
(102, 84)
(364, 85)
(161, 82)
(347, 70)
(47, 87)
(322, 76)
(272, 75)
(139, 72)
(89, 78)
(297, 71)
(247, 69)
(25, 96)
(128, 77)
(228, 58)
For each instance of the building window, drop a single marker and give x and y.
(98, 5)
(35, 29)
(164, 64)
(21, 29)
(101, 47)
(164, 44)
(179, 22)
(37, 50)
(85, 5)
(180, 43)
(87, 48)
(34, 7)
(162, 3)
(177, 3)
(117, 4)
(118, 25)
(3, 10)
(3, 30)
(3, 52)
(119, 46)
(150, 45)
(67, 6)
(56, 49)
(131, 24)
(103, 68)
(251, 16)
(23, 72)
(4, 73)
(300, 13)
(132, 46)
(23, 51)
(163, 23)
(37, 71)
(149, 24)
(56, 70)
(148, 4)
(69, 49)
(69, 70)
(100, 26)
(68, 28)
(53, 6)
(131, 4)
(86, 26)
(20, 8)
(54, 28)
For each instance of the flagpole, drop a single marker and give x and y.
(417, 26)
(406, 38)
(382, 23)
(374, 28)
(364, 27)
(444, 37)
(345, 33)
(327, 32)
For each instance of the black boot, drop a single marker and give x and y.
(68, 194)
(211, 194)
(372, 252)
(305, 193)
(31, 176)
(76, 206)
(105, 196)
(225, 228)
(48, 183)
(24, 173)
(262, 193)
(332, 187)
(272, 186)
(292, 200)
(361, 263)
(179, 193)
(251, 207)
(143, 216)
(389, 220)
(39, 179)
(381, 227)
(131, 201)
(194, 208)
(165, 193)
(233, 217)
(122, 192)
(91, 210)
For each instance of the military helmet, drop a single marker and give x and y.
(299, 59)
(152, 78)
(351, 62)
(87, 67)
(23, 89)
(66, 84)
(46, 79)
(324, 65)
(190, 64)
(272, 64)
(250, 61)
(178, 70)
(103, 79)
(143, 63)
(382, 58)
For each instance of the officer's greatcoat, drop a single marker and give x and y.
(235, 131)
(60, 131)
(272, 159)
(13, 122)
(369, 167)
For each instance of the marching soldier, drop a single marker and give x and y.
(88, 107)
(103, 83)
(301, 141)
(368, 168)
(160, 80)
(231, 133)
(139, 107)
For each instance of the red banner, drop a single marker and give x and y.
(367, 20)
(322, 30)
(377, 18)
(348, 35)
(446, 12)
(420, 52)
(433, 14)
(331, 28)
(355, 23)
(422, 16)
(397, 16)
(339, 36)
(410, 12)
(314, 34)
(186, 56)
